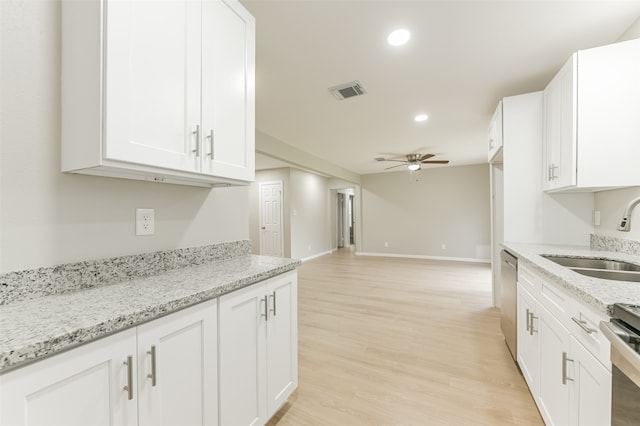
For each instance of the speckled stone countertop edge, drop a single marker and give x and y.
(68, 331)
(68, 277)
(598, 293)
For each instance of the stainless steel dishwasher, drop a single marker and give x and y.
(508, 298)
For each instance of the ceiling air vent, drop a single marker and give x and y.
(347, 90)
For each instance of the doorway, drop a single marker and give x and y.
(271, 219)
(345, 218)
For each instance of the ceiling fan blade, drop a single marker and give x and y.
(426, 157)
(435, 162)
(393, 167)
(399, 161)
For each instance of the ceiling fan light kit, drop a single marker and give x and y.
(414, 166)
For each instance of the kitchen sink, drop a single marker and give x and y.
(599, 268)
(610, 275)
(593, 263)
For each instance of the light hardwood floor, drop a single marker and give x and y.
(388, 341)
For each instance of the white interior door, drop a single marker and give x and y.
(271, 222)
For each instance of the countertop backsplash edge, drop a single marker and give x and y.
(33, 283)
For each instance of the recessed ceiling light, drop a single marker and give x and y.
(421, 117)
(398, 37)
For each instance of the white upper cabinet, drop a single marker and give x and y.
(159, 90)
(152, 91)
(228, 100)
(495, 135)
(591, 129)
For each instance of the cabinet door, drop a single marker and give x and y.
(228, 94)
(282, 340)
(560, 127)
(528, 324)
(590, 391)
(554, 366)
(179, 386)
(242, 358)
(152, 93)
(83, 386)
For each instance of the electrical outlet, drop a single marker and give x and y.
(145, 222)
(386, 244)
(444, 247)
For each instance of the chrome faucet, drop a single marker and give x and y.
(625, 224)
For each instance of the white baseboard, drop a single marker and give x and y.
(304, 259)
(416, 256)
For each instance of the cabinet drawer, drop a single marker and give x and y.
(529, 280)
(556, 301)
(584, 326)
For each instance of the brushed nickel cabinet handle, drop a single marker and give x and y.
(197, 135)
(531, 329)
(153, 376)
(266, 308)
(564, 368)
(273, 295)
(583, 325)
(129, 387)
(210, 137)
(528, 321)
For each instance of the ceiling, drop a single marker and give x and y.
(462, 58)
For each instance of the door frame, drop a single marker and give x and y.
(260, 221)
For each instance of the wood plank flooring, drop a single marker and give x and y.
(388, 341)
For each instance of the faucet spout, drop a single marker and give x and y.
(625, 223)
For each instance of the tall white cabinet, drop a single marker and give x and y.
(520, 210)
(258, 350)
(160, 91)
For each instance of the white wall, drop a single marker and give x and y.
(447, 206)
(310, 232)
(48, 217)
(306, 210)
(611, 205)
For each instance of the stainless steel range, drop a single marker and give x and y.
(623, 331)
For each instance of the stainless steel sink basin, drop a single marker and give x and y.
(610, 275)
(599, 268)
(593, 263)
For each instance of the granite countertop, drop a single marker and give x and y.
(41, 326)
(599, 293)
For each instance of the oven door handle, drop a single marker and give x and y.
(620, 348)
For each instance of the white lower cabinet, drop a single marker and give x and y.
(553, 397)
(84, 386)
(570, 384)
(258, 356)
(527, 326)
(160, 373)
(177, 368)
(590, 393)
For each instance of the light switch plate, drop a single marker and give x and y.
(145, 222)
